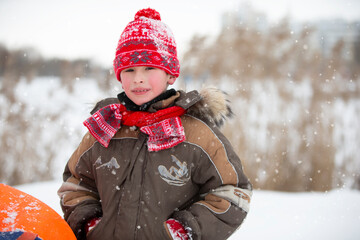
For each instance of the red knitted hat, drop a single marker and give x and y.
(147, 41)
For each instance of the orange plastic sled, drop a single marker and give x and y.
(21, 211)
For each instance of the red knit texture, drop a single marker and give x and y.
(147, 41)
(148, 13)
(91, 224)
(176, 230)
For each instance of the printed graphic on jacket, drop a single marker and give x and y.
(175, 176)
(112, 164)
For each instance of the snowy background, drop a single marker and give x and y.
(90, 29)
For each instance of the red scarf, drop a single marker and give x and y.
(163, 127)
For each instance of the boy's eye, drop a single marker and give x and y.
(150, 68)
(129, 70)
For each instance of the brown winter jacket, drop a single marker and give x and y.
(200, 182)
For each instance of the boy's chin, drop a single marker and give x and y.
(140, 102)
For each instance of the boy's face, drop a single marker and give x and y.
(143, 84)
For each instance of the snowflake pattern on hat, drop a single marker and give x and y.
(140, 56)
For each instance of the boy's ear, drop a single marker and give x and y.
(171, 79)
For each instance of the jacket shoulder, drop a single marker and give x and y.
(217, 148)
(102, 103)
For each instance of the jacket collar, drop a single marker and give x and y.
(210, 104)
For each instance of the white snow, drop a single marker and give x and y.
(274, 215)
(11, 217)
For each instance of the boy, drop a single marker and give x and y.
(154, 164)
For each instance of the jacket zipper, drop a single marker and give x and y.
(137, 227)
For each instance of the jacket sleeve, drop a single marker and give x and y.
(225, 191)
(78, 193)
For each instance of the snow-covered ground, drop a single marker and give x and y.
(333, 215)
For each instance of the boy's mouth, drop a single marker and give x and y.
(140, 91)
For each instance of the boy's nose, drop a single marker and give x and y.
(139, 77)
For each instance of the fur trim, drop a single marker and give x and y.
(214, 106)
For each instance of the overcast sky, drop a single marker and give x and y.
(91, 28)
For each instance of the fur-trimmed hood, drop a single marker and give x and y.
(210, 104)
